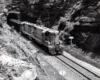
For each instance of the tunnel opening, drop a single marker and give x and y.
(13, 16)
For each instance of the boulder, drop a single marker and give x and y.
(18, 69)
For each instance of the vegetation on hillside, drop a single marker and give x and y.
(78, 17)
(81, 19)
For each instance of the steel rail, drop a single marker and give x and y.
(62, 59)
(81, 66)
(71, 67)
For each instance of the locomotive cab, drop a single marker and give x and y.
(57, 43)
(54, 44)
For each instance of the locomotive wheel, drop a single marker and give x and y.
(20, 33)
(52, 52)
(30, 38)
(60, 52)
(33, 40)
(45, 48)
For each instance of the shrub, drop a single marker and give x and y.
(11, 50)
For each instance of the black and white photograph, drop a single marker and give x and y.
(49, 39)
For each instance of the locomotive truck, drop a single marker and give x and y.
(22, 17)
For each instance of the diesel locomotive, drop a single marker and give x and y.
(43, 35)
(23, 15)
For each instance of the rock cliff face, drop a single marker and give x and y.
(87, 33)
(81, 19)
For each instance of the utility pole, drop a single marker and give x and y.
(71, 38)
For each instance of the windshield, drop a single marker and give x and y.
(53, 39)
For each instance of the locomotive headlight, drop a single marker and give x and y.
(51, 46)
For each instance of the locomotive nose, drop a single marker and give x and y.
(57, 47)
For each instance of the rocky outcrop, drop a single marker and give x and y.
(15, 69)
(81, 19)
(88, 17)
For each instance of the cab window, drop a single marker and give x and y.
(53, 38)
(47, 36)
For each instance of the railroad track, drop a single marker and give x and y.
(78, 68)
